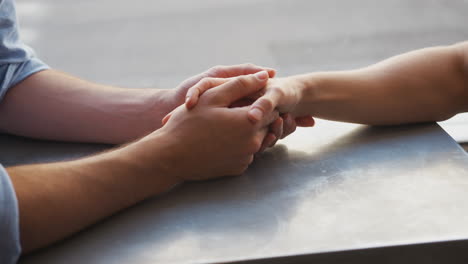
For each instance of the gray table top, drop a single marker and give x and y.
(331, 188)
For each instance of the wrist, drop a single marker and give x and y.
(157, 103)
(151, 161)
(171, 99)
(305, 87)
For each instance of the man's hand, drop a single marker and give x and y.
(265, 101)
(211, 140)
(54, 105)
(217, 72)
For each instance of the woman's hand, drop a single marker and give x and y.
(281, 94)
(212, 139)
(284, 95)
(181, 94)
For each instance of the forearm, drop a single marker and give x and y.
(53, 105)
(58, 199)
(424, 85)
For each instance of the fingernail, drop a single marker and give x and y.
(256, 114)
(273, 142)
(273, 72)
(263, 75)
(187, 99)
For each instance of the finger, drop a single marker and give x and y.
(273, 143)
(257, 95)
(238, 70)
(267, 142)
(260, 136)
(227, 72)
(276, 130)
(277, 127)
(265, 104)
(241, 103)
(305, 121)
(238, 88)
(198, 89)
(251, 159)
(289, 125)
(193, 80)
(166, 118)
(269, 119)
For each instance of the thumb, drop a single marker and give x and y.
(166, 118)
(239, 88)
(305, 121)
(198, 89)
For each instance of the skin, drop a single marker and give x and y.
(57, 106)
(403, 89)
(281, 128)
(420, 86)
(211, 140)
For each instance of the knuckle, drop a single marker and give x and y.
(278, 91)
(213, 70)
(204, 74)
(280, 122)
(206, 81)
(202, 82)
(275, 115)
(241, 82)
(217, 70)
(265, 104)
(273, 143)
(277, 131)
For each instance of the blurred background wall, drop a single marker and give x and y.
(159, 43)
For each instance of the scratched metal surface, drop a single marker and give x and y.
(333, 187)
(353, 187)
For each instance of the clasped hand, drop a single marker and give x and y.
(225, 121)
(279, 94)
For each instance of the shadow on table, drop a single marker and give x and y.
(16, 150)
(248, 210)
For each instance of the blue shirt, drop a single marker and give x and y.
(17, 61)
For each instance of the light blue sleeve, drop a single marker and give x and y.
(10, 248)
(17, 62)
(13, 73)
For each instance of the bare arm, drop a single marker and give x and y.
(58, 199)
(54, 105)
(424, 85)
